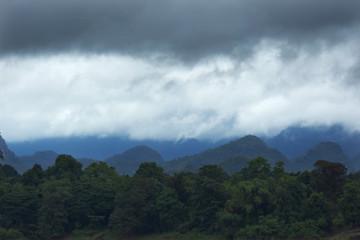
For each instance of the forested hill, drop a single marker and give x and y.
(248, 147)
(329, 151)
(129, 161)
(232, 157)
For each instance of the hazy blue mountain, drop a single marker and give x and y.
(296, 140)
(10, 157)
(328, 151)
(44, 158)
(249, 147)
(356, 162)
(47, 158)
(129, 161)
(85, 161)
(233, 165)
(103, 148)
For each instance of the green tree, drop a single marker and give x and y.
(54, 210)
(278, 170)
(9, 171)
(258, 168)
(18, 208)
(94, 196)
(170, 210)
(330, 178)
(317, 209)
(290, 195)
(150, 170)
(251, 199)
(350, 203)
(213, 172)
(33, 176)
(135, 206)
(65, 167)
(206, 201)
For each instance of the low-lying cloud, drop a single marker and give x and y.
(160, 97)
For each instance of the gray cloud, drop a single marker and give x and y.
(168, 69)
(190, 29)
(218, 97)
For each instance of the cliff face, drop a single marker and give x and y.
(10, 157)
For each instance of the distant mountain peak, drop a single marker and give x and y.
(129, 161)
(326, 146)
(251, 139)
(249, 147)
(326, 150)
(296, 140)
(45, 153)
(141, 153)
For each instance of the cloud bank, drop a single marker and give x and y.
(176, 69)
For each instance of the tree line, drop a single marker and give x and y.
(259, 202)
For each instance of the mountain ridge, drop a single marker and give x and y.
(226, 153)
(129, 161)
(329, 151)
(249, 147)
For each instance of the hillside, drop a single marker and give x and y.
(47, 158)
(296, 140)
(10, 157)
(249, 147)
(356, 162)
(233, 165)
(44, 158)
(129, 161)
(328, 151)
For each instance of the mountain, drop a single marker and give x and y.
(103, 148)
(249, 147)
(44, 158)
(129, 161)
(233, 165)
(356, 161)
(10, 157)
(296, 140)
(85, 161)
(328, 151)
(47, 158)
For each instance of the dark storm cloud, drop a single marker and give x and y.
(195, 28)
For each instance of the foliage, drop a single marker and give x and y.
(54, 210)
(330, 178)
(350, 203)
(259, 202)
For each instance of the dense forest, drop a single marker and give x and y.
(259, 202)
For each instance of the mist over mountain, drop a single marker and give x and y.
(296, 140)
(298, 147)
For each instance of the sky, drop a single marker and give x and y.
(174, 69)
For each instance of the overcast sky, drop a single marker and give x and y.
(171, 69)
